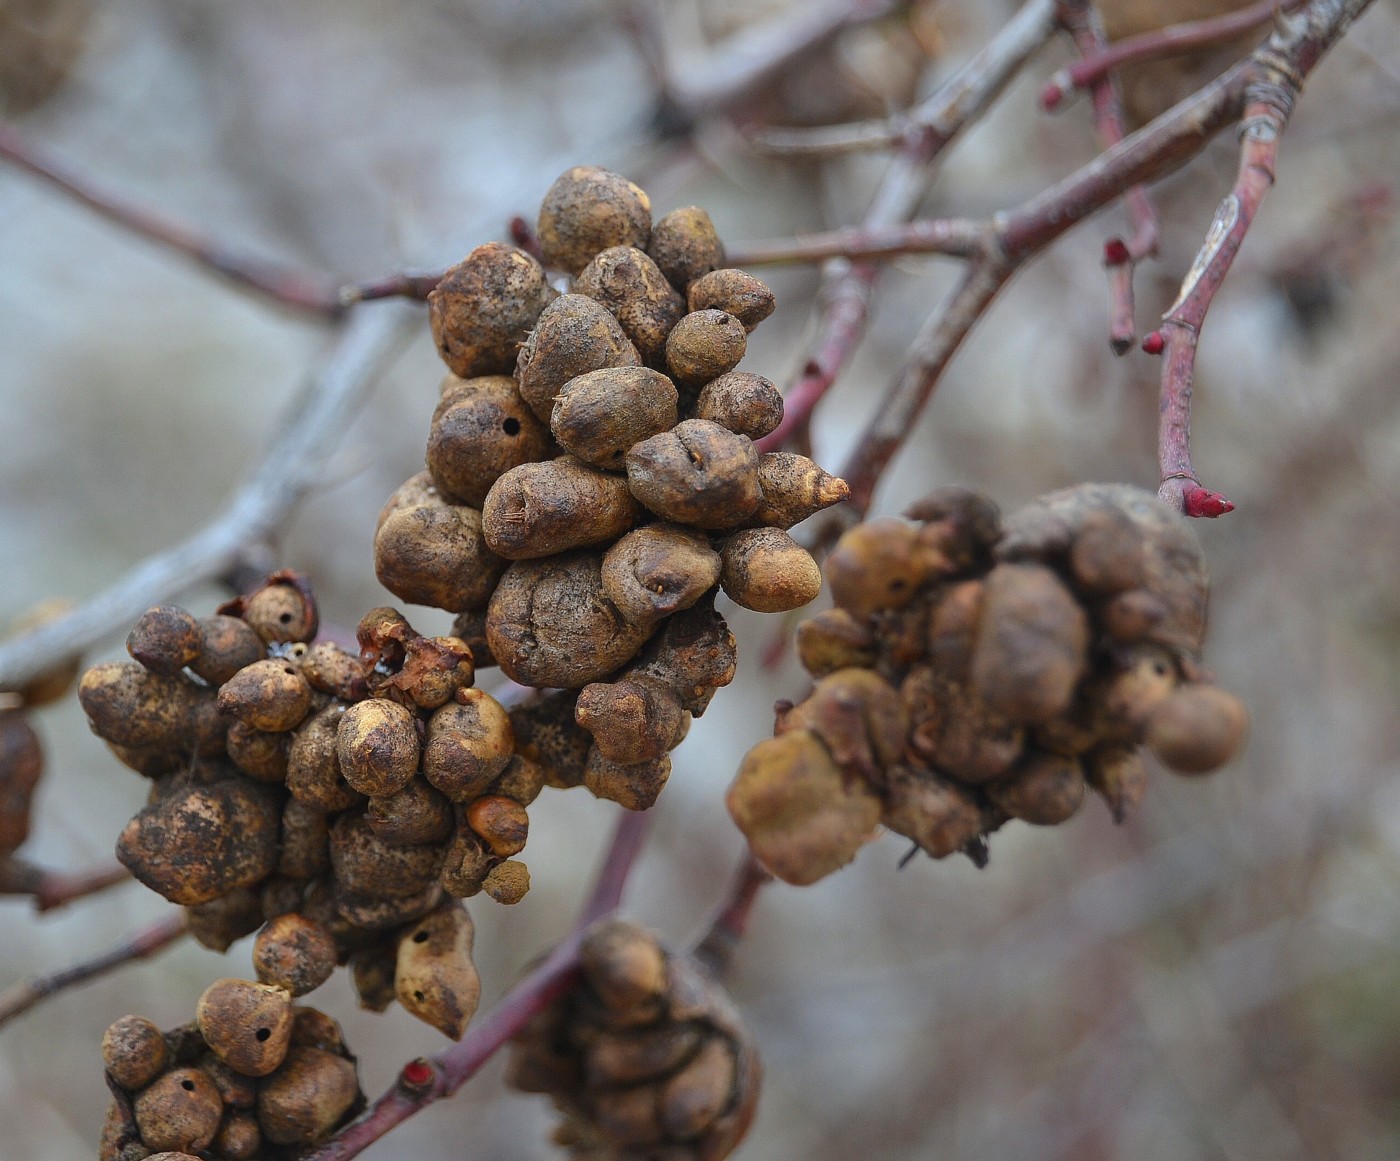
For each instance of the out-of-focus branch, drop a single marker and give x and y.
(731, 920)
(52, 889)
(1188, 36)
(146, 942)
(297, 289)
(847, 288)
(426, 1080)
(1121, 257)
(293, 464)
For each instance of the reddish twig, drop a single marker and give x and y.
(52, 889)
(731, 920)
(272, 280)
(1160, 42)
(144, 943)
(846, 289)
(1120, 257)
(416, 287)
(426, 1080)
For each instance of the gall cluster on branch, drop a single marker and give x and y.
(646, 1059)
(253, 1078)
(973, 672)
(592, 479)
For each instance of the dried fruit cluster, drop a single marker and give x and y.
(340, 798)
(646, 1059)
(974, 672)
(591, 475)
(254, 1076)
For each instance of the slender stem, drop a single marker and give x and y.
(426, 1080)
(731, 921)
(1169, 41)
(55, 888)
(282, 284)
(142, 944)
(291, 466)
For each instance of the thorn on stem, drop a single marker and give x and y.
(1154, 343)
(1200, 502)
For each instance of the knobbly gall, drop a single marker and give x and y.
(698, 473)
(304, 1101)
(371, 913)
(428, 551)
(934, 811)
(21, 766)
(226, 645)
(312, 1028)
(695, 1097)
(179, 1112)
(1197, 729)
(629, 284)
(282, 610)
(633, 786)
(481, 429)
(598, 416)
(507, 882)
(372, 976)
(589, 209)
(859, 717)
(878, 565)
(237, 1091)
(239, 1138)
(832, 640)
(268, 695)
(222, 922)
(415, 814)
(734, 292)
(294, 953)
(657, 570)
(134, 1052)
(628, 1057)
(522, 780)
(684, 245)
(466, 863)
(802, 817)
(546, 733)
(546, 508)
(260, 754)
(1118, 776)
(246, 1025)
(550, 623)
(366, 865)
(704, 345)
(313, 767)
(574, 335)
(377, 746)
(330, 669)
(623, 965)
(484, 307)
(1044, 789)
(469, 743)
(632, 720)
(766, 570)
(432, 672)
(794, 488)
(435, 977)
(165, 639)
(500, 822)
(130, 706)
(746, 403)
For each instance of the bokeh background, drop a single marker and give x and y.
(1218, 978)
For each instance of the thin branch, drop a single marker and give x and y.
(144, 943)
(1120, 257)
(1160, 42)
(426, 1080)
(52, 889)
(292, 465)
(731, 920)
(847, 288)
(282, 284)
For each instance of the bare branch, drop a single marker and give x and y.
(315, 294)
(292, 465)
(55, 888)
(142, 944)
(426, 1080)
(731, 920)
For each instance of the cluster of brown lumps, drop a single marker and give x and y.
(346, 801)
(253, 1078)
(974, 672)
(591, 471)
(646, 1059)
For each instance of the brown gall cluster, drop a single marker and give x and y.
(253, 1078)
(646, 1058)
(973, 672)
(341, 803)
(592, 477)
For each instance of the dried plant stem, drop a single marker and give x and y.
(847, 288)
(731, 920)
(1160, 42)
(423, 1081)
(296, 289)
(1121, 257)
(292, 465)
(142, 944)
(52, 889)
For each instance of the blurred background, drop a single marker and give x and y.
(1217, 978)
